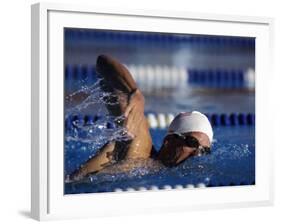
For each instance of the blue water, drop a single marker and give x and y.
(203, 100)
(188, 99)
(82, 46)
(231, 162)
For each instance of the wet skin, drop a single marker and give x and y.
(174, 150)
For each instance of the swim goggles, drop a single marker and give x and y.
(191, 142)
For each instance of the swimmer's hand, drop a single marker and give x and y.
(134, 112)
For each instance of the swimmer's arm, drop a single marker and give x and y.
(134, 112)
(118, 77)
(95, 164)
(115, 74)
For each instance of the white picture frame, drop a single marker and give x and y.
(47, 198)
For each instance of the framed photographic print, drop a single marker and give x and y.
(148, 111)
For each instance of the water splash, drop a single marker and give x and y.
(90, 95)
(84, 139)
(127, 169)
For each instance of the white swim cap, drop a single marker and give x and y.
(191, 122)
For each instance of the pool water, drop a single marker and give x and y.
(231, 162)
(175, 100)
(203, 100)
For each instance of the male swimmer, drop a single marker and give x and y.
(189, 134)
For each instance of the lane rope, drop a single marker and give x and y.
(182, 186)
(150, 77)
(162, 121)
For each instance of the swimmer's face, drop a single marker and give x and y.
(174, 149)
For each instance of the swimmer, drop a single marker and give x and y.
(189, 134)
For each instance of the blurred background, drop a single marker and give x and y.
(176, 72)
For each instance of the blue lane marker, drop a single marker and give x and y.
(217, 78)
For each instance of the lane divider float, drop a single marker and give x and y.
(162, 121)
(157, 77)
(179, 186)
(222, 78)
